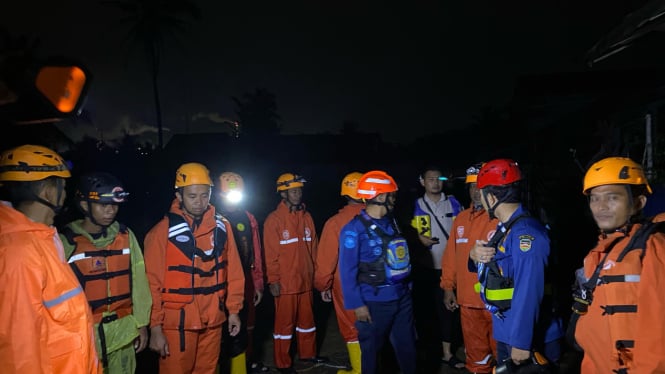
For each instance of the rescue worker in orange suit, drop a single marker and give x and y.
(107, 259)
(290, 243)
(46, 324)
(459, 284)
(246, 233)
(375, 266)
(623, 329)
(195, 273)
(326, 275)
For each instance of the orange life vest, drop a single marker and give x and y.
(183, 269)
(104, 273)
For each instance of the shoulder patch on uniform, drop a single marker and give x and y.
(525, 242)
(350, 239)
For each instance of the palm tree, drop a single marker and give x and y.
(151, 22)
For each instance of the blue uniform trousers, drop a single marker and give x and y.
(393, 319)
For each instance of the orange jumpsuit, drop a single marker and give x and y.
(326, 275)
(46, 324)
(639, 334)
(202, 316)
(290, 242)
(470, 225)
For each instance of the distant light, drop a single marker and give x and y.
(442, 178)
(233, 197)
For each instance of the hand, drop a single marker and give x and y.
(326, 296)
(450, 300)
(142, 340)
(428, 242)
(481, 253)
(362, 314)
(158, 342)
(258, 296)
(275, 289)
(234, 324)
(519, 355)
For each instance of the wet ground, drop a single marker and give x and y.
(332, 345)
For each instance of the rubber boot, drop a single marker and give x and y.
(239, 364)
(354, 357)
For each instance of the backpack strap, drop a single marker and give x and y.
(639, 239)
(498, 236)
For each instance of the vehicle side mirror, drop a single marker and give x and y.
(63, 86)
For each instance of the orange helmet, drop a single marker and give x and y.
(615, 170)
(190, 174)
(374, 183)
(288, 181)
(499, 172)
(350, 185)
(31, 163)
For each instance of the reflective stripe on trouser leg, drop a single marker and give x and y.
(478, 341)
(285, 317)
(305, 327)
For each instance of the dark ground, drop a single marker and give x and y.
(332, 346)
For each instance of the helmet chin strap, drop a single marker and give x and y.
(490, 209)
(292, 206)
(55, 208)
(89, 215)
(389, 206)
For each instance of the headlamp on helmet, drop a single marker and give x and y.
(472, 173)
(101, 188)
(288, 181)
(231, 187)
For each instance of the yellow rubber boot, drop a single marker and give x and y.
(239, 364)
(354, 357)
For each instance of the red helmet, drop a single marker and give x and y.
(499, 172)
(374, 183)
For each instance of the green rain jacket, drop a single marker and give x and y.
(123, 331)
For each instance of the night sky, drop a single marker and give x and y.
(405, 70)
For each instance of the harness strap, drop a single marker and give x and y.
(445, 233)
(196, 290)
(94, 304)
(106, 253)
(611, 309)
(194, 270)
(102, 337)
(181, 329)
(630, 278)
(106, 276)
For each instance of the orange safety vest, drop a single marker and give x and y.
(181, 252)
(104, 273)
